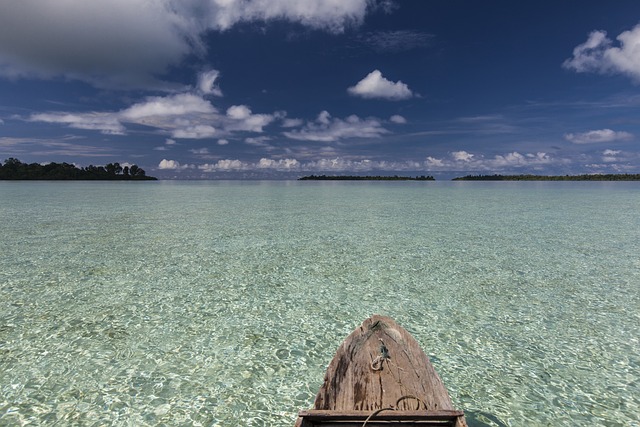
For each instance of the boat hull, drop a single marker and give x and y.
(381, 372)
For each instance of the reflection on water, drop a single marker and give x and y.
(222, 303)
(482, 419)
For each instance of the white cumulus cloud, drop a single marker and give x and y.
(238, 112)
(398, 119)
(170, 165)
(281, 164)
(334, 164)
(462, 156)
(463, 160)
(240, 118)
(596, 136)
(329, 129)
(226, 165)
(599, 54)
(433, 162)
(374, 85)
(174, 105)
(453, 162)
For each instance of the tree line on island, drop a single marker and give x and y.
(365, 178)
(14, 169)
(584, 177)
(496, 177)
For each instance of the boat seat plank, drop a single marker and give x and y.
(318, 418)
(386, 415)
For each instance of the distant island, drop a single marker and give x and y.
(364, 178)
(585, 177)
(14, 169)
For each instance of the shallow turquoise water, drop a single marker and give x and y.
(221, 303)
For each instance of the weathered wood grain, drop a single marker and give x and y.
(380, 365)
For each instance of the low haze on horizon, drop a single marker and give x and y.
(218, 89)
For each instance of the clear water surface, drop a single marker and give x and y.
(221, 303)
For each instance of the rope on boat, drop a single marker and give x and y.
(394, 407)
(376, 364)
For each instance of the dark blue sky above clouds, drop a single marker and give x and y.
(285, 88)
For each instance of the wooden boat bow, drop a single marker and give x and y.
(380, 374)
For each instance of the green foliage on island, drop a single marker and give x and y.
(364, 178)
(585, 177)
(14, 169)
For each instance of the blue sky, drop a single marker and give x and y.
(198, 89)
